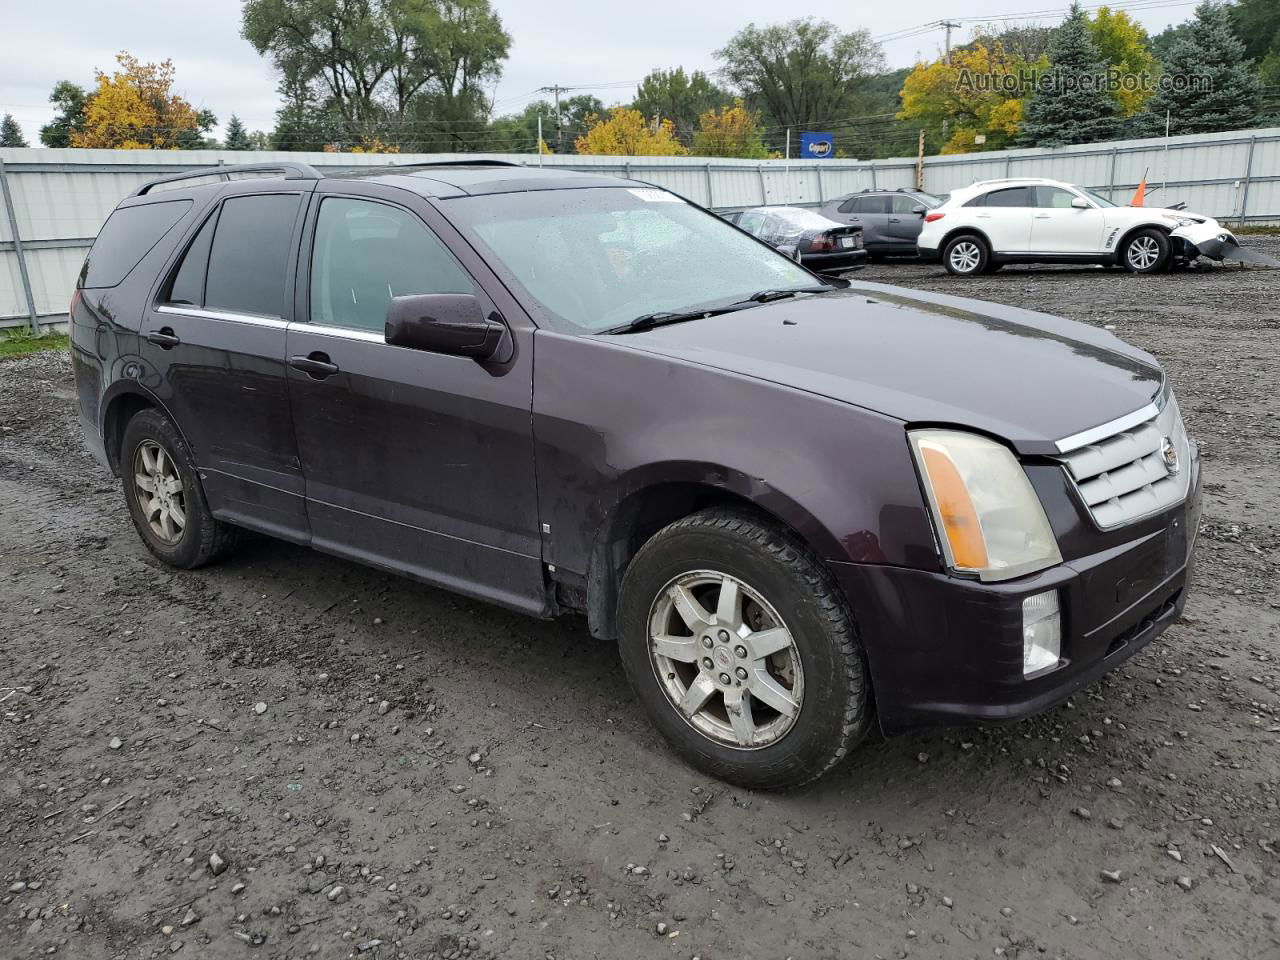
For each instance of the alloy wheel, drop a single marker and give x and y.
(160, 492)
(965, 256)
(725, 659)
(1143, 253)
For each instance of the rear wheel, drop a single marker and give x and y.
(743, 651)
(966, 256)
(1147, 251)
(165, 497)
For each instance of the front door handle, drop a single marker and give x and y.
(164, 337)
(315, 365)
(894, 220)
(1043, 216)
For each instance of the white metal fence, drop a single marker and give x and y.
(54, 201)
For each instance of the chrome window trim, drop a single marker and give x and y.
(253, 318)
(1104, 430)
(343, 333)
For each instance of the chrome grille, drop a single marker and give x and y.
(1124, 477)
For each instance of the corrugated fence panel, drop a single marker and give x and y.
(63, 196)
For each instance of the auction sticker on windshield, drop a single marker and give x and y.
(654, 196)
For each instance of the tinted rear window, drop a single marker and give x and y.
(127, 237)
(250, 253)
(1010, 197)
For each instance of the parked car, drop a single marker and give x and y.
(818, 243)
(1030, 220)
(890, 219)
(787, 498)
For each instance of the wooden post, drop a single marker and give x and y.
(920, 162)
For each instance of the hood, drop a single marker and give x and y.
(927, 358)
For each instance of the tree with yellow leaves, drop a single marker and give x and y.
(977, 94)
(626, 133)
(134, 109)
(732, 131)
(1123, 45)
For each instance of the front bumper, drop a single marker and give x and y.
(946, 650)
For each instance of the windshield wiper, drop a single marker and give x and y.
(766, 296)
(662, 318)
(648, 321)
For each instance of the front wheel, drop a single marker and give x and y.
(1146, 252)
(743, 651)
(966, 256)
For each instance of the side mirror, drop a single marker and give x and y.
(1080, 203)
(920, 209)
(449, 323)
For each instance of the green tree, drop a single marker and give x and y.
(197, 138)
(11, 133)
(401, 71)
(1070, 103)
(1257, 24)
(805, 74)
(1208, 55)
(679, 97)
(237, 136)
(69, 100)
(1123, 45)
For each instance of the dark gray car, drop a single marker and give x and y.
(889, 219)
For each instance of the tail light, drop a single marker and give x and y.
(821, 242)
(931, 217)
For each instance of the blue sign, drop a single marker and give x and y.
(817, 146)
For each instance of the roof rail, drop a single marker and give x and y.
(457, 163)
(290, 169)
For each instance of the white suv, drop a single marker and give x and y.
(1032, 220)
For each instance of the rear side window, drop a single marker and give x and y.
(1011, 197)
(249, 254)
(188, 282)
(129, 234)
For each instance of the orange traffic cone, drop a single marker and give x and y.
(1140, 195)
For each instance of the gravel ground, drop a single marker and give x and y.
(292, 754)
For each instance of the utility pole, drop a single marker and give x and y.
(556, 89)
(948, 25)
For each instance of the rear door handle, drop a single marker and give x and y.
(1043, 216)
(164, 337)
(315, 365)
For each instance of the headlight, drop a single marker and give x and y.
(1184, 221)
(989, 519)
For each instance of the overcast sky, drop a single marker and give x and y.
(601, 45)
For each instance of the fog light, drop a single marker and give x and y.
(1041, 632)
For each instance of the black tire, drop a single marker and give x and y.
(1147, 251)
(202, 539)
(966, 255)
(835, 705)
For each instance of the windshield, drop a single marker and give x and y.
(929, 200)
(1100, 201)
(598, 257)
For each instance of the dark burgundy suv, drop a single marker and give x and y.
(787, 498)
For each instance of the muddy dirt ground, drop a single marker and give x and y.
(289, 755)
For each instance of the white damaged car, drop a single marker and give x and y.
(1033, 220)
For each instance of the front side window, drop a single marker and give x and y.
(1054, 197)
(365, 253)
(594, 258)
(250, 254)
(902, 203)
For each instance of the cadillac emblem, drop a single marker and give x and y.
(1169, 453)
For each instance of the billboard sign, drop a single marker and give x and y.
(817, 146)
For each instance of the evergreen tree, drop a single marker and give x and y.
(237, 135)
(1070, 104)
(69, 99)
(1208, 54)
(11, 133)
